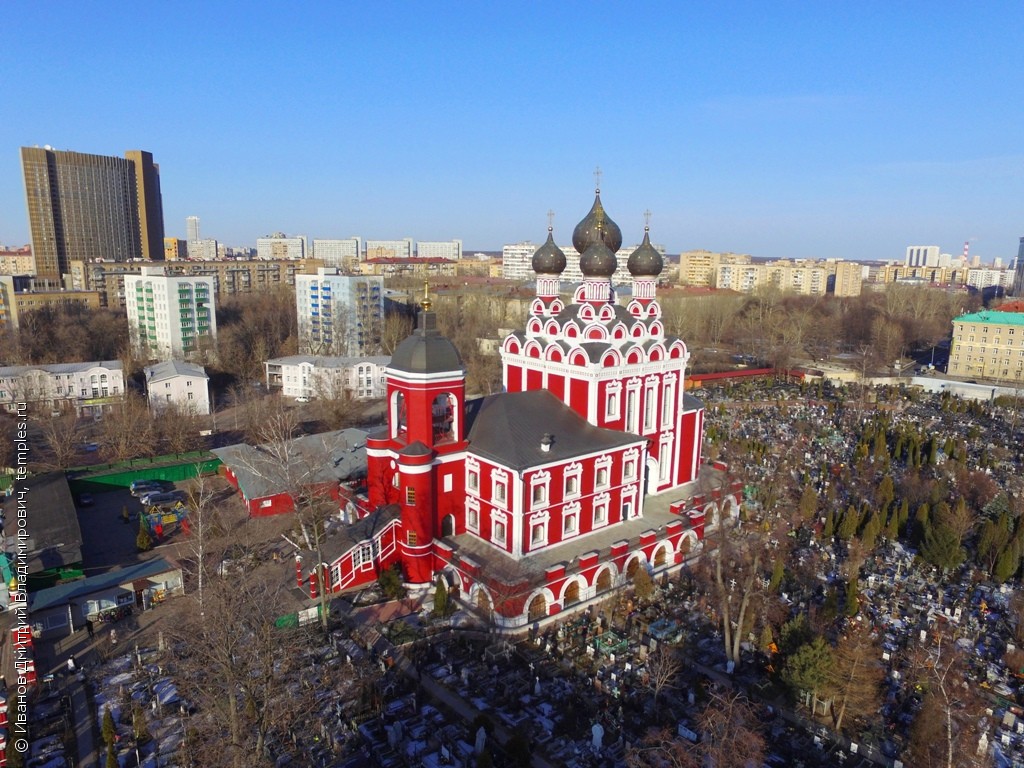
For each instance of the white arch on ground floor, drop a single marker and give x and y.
(688, 543)
(661, 555)
(583, 590)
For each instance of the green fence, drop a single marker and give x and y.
(172, 468)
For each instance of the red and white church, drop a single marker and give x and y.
(541, 498)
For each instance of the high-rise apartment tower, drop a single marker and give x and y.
(91, 207)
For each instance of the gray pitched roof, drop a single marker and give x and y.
(336, 456)
(17, 370)
(55, 538)
(341, 538)
(62, 594)
(171, 368)
(323, 361)
(508, 428)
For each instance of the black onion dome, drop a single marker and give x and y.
(549, 258)
(597, 224)
(598, 260)
(645, 261)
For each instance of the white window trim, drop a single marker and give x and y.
(601, 501)
(630, 457)
(603, 463)
(573, 471)
(540, 481)
(499, 518)
(571, 511)
(539, 520)
(613, 400)
(472, 506)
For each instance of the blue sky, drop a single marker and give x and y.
(845, 130)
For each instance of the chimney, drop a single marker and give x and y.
(546, 441)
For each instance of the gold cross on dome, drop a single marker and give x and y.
(551, 219)
(597, 178)
(647, 219)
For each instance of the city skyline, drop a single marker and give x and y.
(796, 132)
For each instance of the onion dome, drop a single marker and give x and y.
(595, 225)
(549, 258)
(645, 261)
(598, 260)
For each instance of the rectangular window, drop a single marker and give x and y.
(600, 514)
(447, 483)
(629, 470)
(472, 519)
(601, 478)
(572, 485)
(410, 495)
(540, 494)
(500, 491)
(473, 480)
(412, 539)
(569, 524)
(538, 534)
(498, 533)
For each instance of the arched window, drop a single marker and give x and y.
(443, 410)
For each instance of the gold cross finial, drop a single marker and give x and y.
(597, 179)
(647, 220)
(551, 220)
(426, 296)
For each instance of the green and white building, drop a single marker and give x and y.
(170, 317)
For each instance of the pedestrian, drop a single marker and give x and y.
(89, 628)
(71, 664)
(113, 636)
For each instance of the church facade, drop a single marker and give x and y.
(551, 493)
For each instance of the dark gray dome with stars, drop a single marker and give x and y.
(549, 258)
(598, 260)
(645, 261)
(597, 225)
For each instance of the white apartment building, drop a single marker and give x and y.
(517, 263)
(280, 246)
(451, 250)
(922, 256)
(313, 377)
(180, 384)
(339, 314)
(203, 250)
(984, 277)
(86, 388)
(192, 228)
(739, 277)
(389, 249)
(170, 317)
(342, 254)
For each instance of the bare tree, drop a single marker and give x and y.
(945, 730)
(127, 432)
(336, 402)
(177, 427)
(396, 327)
(61, 435)
(662, 668)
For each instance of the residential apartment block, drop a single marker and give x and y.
(182, 385)
(83, 206)
(17, 296)
(989, 345)
(315, 377)
(87, 389)
(175, 249)
(701, 267)
(451, 250)
(19, 262)
(230, 277)
(203, 250)
(280, 246)
(340, 254)
(339, 314)
(922, 256)
(389, 249)
(170, 317)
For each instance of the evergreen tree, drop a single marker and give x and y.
(440, 598)
(892, 528)
(1007, 564)
(922, 523)
(941, 547)
(778, 572)
(111, 757)
(808, 503)
(849, 524)
(830, 525)
(808, 668)
(143, 541)
(852, 594)
(108, 729)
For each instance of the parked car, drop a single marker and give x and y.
(162, 497)
(142, 487)
(302, 399)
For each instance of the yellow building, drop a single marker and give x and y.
(701, 267)
(988, 345)
(14, 304)
(175, 249)
(849, 278)
(20, 262)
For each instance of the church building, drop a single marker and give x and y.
(543, 497)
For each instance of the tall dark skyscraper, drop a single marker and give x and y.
(1018, 274)
(91, 207)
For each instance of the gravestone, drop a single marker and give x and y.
(597, 735)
